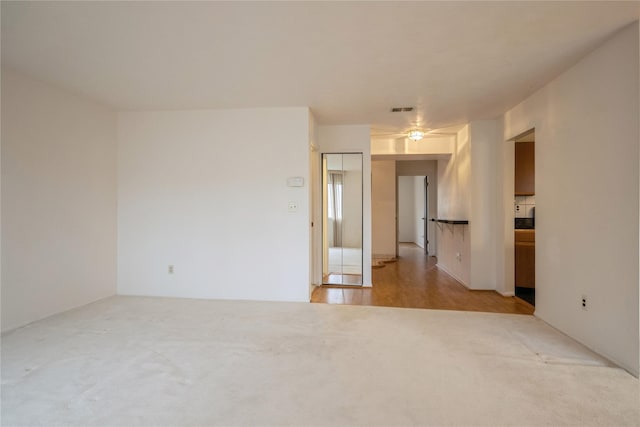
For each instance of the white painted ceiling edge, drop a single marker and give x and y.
(350, 62)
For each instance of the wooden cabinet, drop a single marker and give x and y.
(525, 242)
(525, 169)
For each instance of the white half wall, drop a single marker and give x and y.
(352, 139)
(58, 200)
(468, 191)
(587, 187)
(206, 192)
(454, 199)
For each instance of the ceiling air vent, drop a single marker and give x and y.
(401, 109)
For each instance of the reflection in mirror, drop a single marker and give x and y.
(342, 218)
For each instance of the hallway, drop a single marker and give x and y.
(414, 281)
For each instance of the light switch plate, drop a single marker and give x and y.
(295, 181)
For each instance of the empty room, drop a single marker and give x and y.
(320, 213)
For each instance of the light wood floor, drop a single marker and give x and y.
(414, 281)
(343, 279)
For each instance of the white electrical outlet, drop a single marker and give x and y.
(293, 206)
(170, 269)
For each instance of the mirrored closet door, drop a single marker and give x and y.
(342, 218)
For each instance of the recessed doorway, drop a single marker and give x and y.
(524, 218)
(413, 211)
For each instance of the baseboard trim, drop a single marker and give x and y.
(441, 267)
(382, 256)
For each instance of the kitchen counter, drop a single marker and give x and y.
(525, 259)
(525, 235)
(524, 223)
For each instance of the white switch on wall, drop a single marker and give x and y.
(293, 206)
(295, 181)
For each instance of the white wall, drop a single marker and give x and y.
(58, 200)
(587, 187)
(454, 199)
(433, 145)
(315, 198)
(453, 180)
(383, 205)
(206, 191)
(468, 191)
(406, 209)
(352, 139)
(485, 138)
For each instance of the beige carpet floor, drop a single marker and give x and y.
(162, 361)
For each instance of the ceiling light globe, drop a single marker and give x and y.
(415, 135)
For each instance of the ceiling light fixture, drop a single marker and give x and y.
(415, 135)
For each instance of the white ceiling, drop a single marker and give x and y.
(350, 62)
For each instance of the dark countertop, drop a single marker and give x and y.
(524, 223)
(450, 221)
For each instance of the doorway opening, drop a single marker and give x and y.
(413, 212)
(524, 218)
(413, 279)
